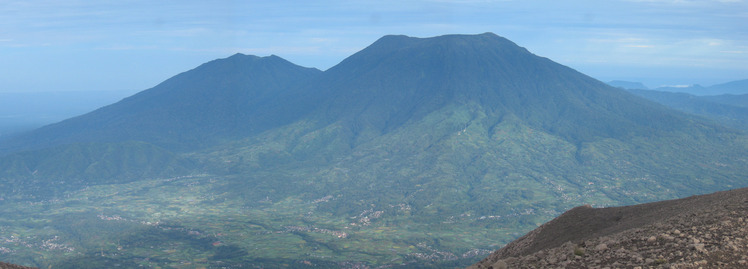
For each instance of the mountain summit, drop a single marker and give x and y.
(412, 150)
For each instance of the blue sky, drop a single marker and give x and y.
(66, 45)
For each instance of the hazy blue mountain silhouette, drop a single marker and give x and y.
(727, 109)
(219, 100)
(394, 80)
(737, 87)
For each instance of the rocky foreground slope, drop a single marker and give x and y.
(13, 266)
(706, 231)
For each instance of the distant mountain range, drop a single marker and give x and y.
(737, 87)
(725, 108)
(415, 146)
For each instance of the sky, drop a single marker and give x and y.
(72, 45)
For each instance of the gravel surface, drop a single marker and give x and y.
(13, 266)
(706, 231)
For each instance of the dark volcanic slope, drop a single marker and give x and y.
(13, 266)
(699, 231)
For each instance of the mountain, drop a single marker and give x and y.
(734, 87)
(221, 99)
(399, 78)
(412, 151)
(730, 110)
(700, 231)
(139, 136)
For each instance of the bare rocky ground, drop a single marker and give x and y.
(706, 231)
(13, 266)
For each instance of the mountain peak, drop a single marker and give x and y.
(239, 55)
(487, 39)
(447, 36)
(253, 58)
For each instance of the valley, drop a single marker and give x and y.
(184, 223)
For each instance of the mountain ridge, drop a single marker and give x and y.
(337, 93)
(729, 110)
(736, 87)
